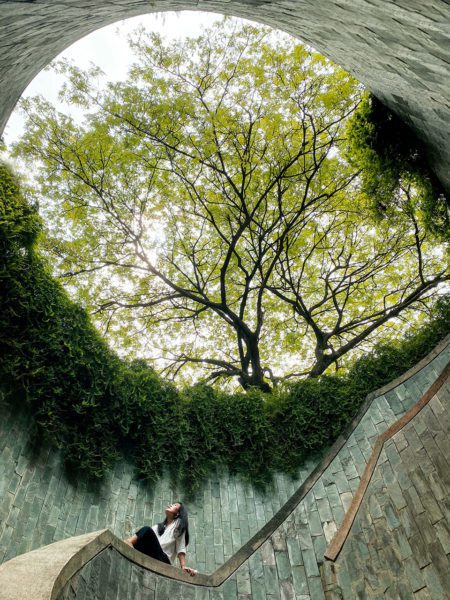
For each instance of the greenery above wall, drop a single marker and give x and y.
(93, 405)
(393, 161)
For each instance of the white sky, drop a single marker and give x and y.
(108, 48)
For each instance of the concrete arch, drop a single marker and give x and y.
(400, 49)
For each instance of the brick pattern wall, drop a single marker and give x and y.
(397, 548)
(39, 504)
(400, 542)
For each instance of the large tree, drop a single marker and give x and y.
(206, 202)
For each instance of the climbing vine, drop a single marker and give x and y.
(94, 406)
(391, 157)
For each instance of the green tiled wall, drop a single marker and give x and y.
(39, 504)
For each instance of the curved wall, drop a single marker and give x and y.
(287, 564)
(398, 48)
(397, 547)
(39, 504)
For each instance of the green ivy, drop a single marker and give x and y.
(94, 406)
(389, 155)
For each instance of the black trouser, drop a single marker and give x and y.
(148, 543)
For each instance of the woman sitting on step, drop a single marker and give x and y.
(167, 540)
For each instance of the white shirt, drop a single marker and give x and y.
(171, 545)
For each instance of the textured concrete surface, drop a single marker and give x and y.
(32, 575)
(288, 564)
(400, 49)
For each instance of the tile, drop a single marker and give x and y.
(299, 581)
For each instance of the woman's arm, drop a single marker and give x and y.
(131, 541)
(182, 559)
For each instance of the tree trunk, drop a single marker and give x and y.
(323, 360)
(321, 365)
(252, 371)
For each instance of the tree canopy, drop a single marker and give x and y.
(391, 157)
(207, 205)
(93, 405)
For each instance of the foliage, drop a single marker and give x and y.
(391, 157)
(151, 419)
(205, 214)
(52, 357)
(19, 221)
(93, 405)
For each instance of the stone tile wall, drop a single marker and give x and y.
(39, 504)
(397, 548)
(400, 542)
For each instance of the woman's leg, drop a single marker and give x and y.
(148, 543)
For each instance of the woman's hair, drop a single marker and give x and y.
(182, 525)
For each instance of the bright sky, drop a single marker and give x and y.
(108, 48)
